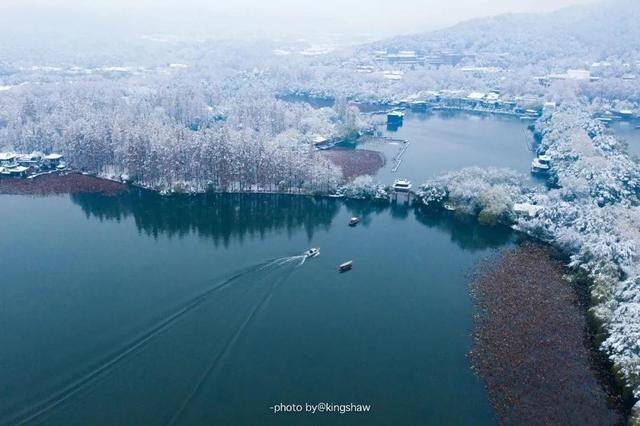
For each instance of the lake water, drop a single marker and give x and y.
(139, 309)
(442, 141)
(446, 141)
(627, 131)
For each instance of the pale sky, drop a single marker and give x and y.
(373, 16)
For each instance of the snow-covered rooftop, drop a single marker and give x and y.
(27, 157)
(6, 156)
(488, 70)
(18, 169)
(53, 157)
(476, 95)
(572, 75)
(393, 75)
(319, 139)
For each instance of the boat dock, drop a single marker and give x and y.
(398, 158)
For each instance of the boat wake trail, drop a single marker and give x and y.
(218, 360)
(284, 260)
(115, 359)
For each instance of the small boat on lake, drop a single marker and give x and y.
(354, 221)
(345, 266)
(312, 252)
(542, 164)
(450, 207)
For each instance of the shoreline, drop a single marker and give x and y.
(534, 345)
(61, 183)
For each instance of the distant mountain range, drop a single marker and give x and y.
(608, 29)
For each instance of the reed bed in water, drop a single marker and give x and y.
(355, 162)
(60, 184)
(531, 343)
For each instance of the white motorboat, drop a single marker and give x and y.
(312, 252)
(544, 159)
(354, 221)
(542, 164)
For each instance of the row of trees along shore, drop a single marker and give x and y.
(181, 139)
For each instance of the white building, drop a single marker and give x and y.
(393, 75)
(7, 158)
(52, 160)
(576, 75)
(476, 96)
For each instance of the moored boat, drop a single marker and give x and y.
(353, 221)
(345, 266)
(541, 164)
(450, 207)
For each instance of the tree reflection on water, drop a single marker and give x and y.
(465, 231)
(226, 217)
(220, 217)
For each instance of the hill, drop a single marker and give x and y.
(593, 32)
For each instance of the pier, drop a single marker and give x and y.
(398, 158)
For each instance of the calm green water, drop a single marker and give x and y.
(139, 309)
(443, 141)
(628, 132)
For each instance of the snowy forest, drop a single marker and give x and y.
(181, 137)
